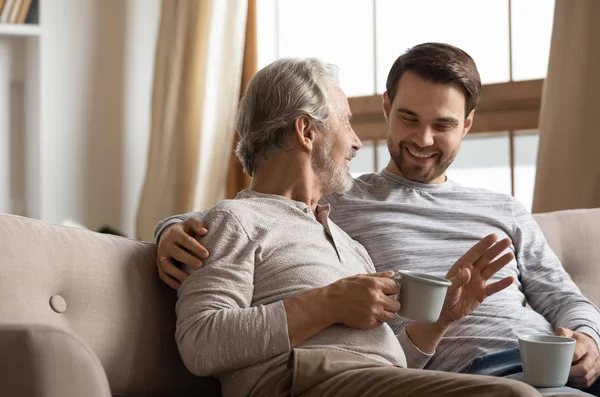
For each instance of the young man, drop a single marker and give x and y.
(287, 303)
(409, 216)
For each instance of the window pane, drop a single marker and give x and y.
(478, 27)
(483, 162)
(383, 155)
(364, 161)
(337, 31)
(531, 33)
(266, 32)
(526, 146)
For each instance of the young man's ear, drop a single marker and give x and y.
(304, 129)
(469, 122)
(387, 106)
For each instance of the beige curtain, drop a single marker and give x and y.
(237, 179)
(568, 165)
(198, 67)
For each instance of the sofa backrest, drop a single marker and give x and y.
(113, 297)
(574, 236)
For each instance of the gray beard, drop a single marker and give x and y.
(335, 178)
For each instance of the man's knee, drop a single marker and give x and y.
(514, 388)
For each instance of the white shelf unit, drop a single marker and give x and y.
(19, 118)
(17, 30)
(75, 96)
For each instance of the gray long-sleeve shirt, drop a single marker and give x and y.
(421, 227)
(231, 321)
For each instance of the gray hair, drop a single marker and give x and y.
(275, 97)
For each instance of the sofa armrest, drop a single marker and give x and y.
(573, 235)
(42, 361)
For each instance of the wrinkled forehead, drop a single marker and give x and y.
(339, 101)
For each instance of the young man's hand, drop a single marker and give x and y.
(469, 276)
(586, 359)
(178, 243)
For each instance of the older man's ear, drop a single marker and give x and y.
(304, 128)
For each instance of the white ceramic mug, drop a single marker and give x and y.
(421, 295)
(546, 359)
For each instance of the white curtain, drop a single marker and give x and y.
(568, 165)
(198, 69)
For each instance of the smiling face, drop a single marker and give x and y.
(426, 125)
(337, 147)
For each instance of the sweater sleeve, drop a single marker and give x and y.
(547, 286)
(415, 357)
(217, 328)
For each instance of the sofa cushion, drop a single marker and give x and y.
(105, 290)
(574, 235)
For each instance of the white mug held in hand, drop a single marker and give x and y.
(421, 295)
(546, 359)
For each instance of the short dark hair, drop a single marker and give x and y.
(438, 63)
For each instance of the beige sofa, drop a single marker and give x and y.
(84, 314)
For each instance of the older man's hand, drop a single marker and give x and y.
(586, 359)
(178, 244)
(363, 301)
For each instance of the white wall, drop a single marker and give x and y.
(5, 141)
(97, 60)
(142, 30)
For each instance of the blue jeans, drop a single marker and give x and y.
(507, 363)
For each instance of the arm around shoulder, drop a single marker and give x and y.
(163, 224)
(217, 328)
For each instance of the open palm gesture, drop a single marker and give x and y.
(469, 276)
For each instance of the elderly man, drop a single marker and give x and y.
(410, 216)
(287, 303)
